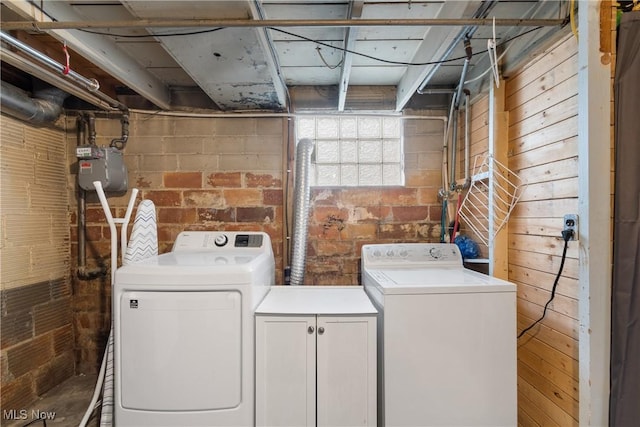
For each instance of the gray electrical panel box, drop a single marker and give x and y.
(104, 164)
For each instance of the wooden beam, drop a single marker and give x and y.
(594, 209)
(498, 144)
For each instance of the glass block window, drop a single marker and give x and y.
(354, 151)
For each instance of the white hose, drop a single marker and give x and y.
(114, 265)
(96, 392)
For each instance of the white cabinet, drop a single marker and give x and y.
(316, 357)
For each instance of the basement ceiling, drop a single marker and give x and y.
(227, 55)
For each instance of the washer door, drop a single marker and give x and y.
(180, 351)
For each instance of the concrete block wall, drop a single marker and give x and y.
(229, 174)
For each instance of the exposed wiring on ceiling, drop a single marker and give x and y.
(493, 56)
(301, 37)
(331, 67)
(572, 18)
(318, 42)
(386, 61)
(147, 36)
(485, 72)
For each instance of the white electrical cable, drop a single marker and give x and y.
(493, 60)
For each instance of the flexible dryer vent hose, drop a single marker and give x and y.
(301, 201)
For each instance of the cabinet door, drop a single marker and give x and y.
(285, 371)
(346, 363)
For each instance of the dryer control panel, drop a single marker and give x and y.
(411, 255)
(214, 240)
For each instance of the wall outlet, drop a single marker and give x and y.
(571, 223)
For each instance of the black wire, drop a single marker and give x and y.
(318, 42)
(566, 237)
(386, 61)
(44, 422)
(145, 36)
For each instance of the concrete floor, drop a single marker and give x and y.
(62, 406)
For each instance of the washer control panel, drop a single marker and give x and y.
(411, 255)
(217, 240)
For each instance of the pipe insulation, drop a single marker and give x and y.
(91, 85)
(44, 107)
(301, 205)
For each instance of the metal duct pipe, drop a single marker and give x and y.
(44, 107)
(301, 201)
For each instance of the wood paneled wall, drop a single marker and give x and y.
(542, 102)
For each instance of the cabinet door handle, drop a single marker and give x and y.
(310, 329)
(320, 330)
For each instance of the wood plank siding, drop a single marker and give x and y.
(541, 99)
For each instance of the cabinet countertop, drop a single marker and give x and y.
(327, 300)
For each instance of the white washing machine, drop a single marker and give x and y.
(184, 331)
(447, 338)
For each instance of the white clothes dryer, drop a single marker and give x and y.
(447, 338)
(184, 331)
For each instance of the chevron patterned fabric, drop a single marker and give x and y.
(144, 236)
(143, 244)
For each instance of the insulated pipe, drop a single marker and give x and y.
(53, 73)
(301, 201)
(44, 107)
(91, 85)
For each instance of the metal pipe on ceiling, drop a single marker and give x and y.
(51, 72)
(91, 85)
(251, 23)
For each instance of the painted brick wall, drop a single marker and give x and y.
(37, 336)
(202, 174)
(228, 174)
